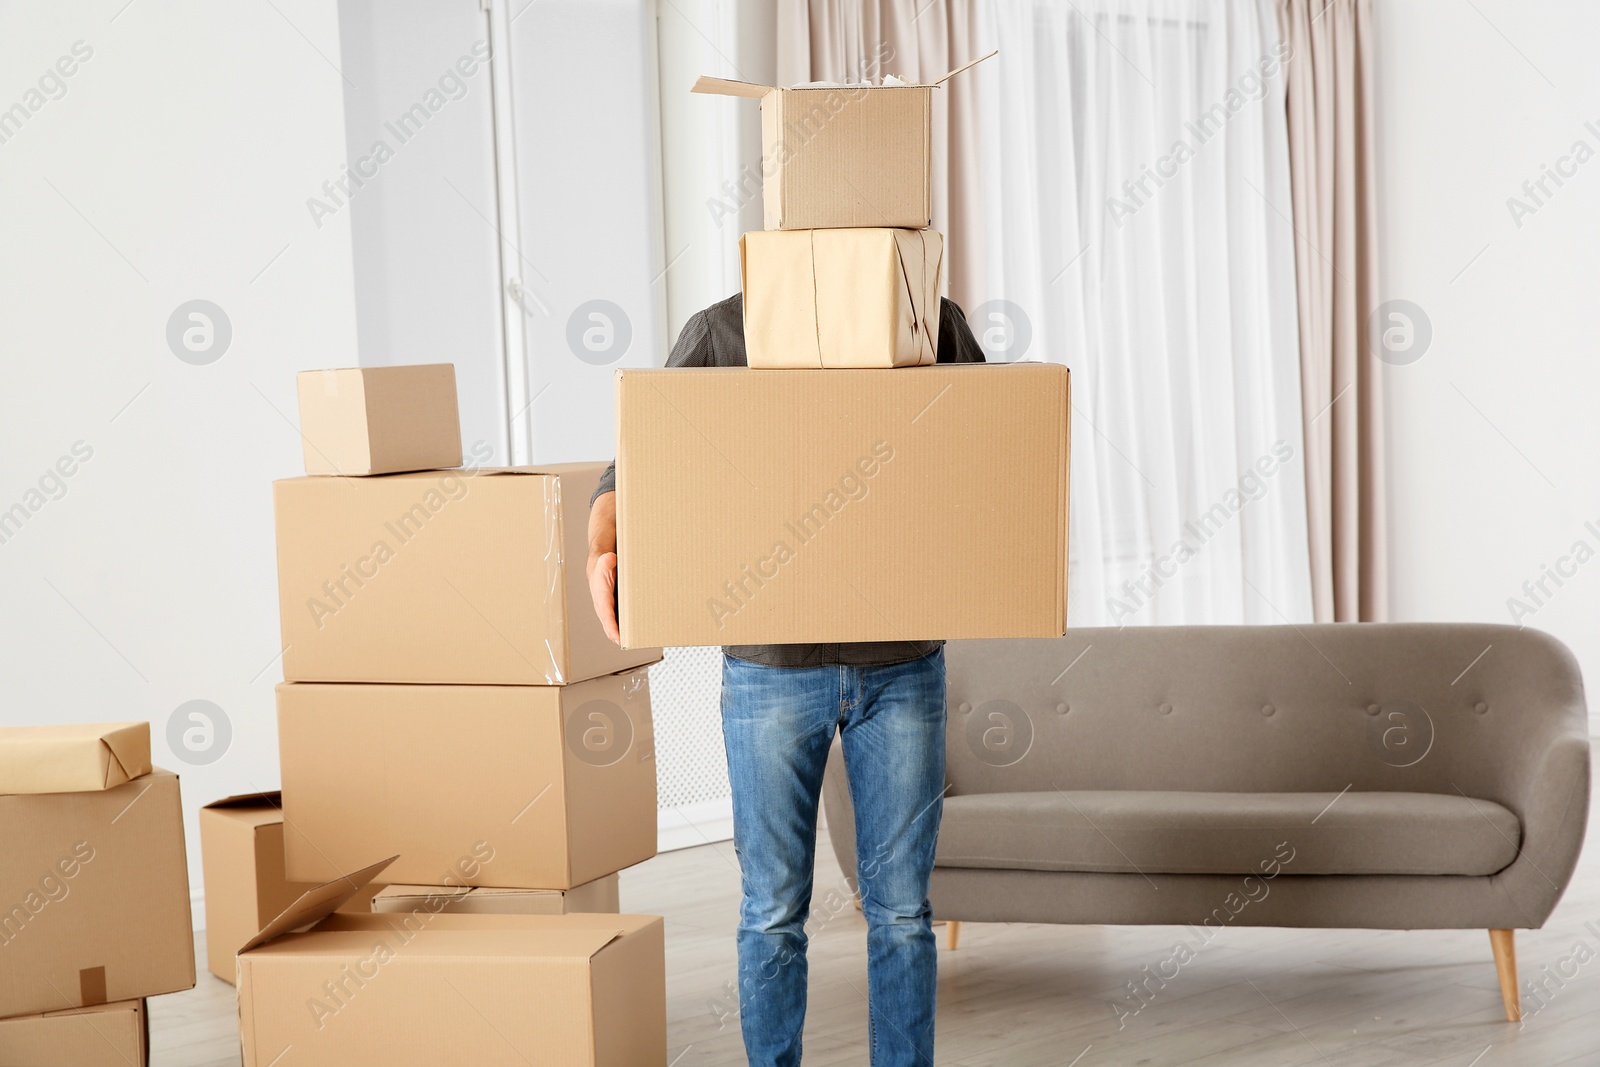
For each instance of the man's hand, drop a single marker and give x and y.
(603, 562)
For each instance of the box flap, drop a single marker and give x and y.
(965, 66)
(129, 747)
(317, 904)
(271, 798)
(729, 87)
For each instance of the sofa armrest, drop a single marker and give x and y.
(1551, 798)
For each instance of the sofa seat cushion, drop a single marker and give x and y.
(1150, 832)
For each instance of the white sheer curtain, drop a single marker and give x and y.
(1136, 192)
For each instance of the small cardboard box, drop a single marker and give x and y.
(599, 895)
(104, 1035)
(241, 847)
(844, 155)
(779, 506)
(424, 990)
(473, 576)
(541, 787)
(72, 758)
(379, 420)
(841, 298)
(94, 897)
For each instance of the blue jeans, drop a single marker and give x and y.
(778, 724)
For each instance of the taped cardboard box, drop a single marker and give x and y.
(72, 758)
(778, 506)
(379, 420)
(94, 897)
(241, 847)
(857, 155)
(599, 895)
(473, 576)
(841, 298)
(542, 787)
(104, 1035)
(419, 991)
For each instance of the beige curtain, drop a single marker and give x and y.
(1329, 98)
(854, 40)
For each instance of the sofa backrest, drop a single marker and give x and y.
(1436, 708)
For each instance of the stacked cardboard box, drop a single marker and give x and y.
(842, 489)
(450, 702)
(94, 893)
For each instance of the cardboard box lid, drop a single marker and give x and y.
(317, 904)
(72, 758)
(732, 87)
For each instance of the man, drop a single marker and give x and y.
(780, 707)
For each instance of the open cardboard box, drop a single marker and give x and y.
(420, 990)
(844, 155)
(241, 847)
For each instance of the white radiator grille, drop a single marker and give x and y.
(685, 701)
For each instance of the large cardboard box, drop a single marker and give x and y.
(379, 420)
(539, 787)
(599, 895)
(841, 298)
(472, 576)
(241, 847)
(105, 1035)
(94, 897)
(425, 990)
(778, 506)
(855, 155)
(72, 758)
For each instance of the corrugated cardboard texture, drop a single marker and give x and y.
(777, 506)
(841, 298)
(849, 157)
(599, 895)
(379, 420)
(107, 1035)
(72, 758)
(470, 576)
(241, 846)
(470, 785)
(94, 897)
(493, 991)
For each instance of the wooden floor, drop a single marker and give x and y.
(1013, 996)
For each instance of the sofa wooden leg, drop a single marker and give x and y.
(954, 928)
(1505, 965)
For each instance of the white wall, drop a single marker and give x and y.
(1494, 441)
(175, 167)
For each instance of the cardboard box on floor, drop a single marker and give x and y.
(473, 577)
(379, 420)
(72, 758)
(778, 506)
(241, 847)
(542, 787)
(94, 897)
(599, 895)
(418, 991)
(105, 1035)
(841, 298)
(854, 155)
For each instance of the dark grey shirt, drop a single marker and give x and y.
(715, 338)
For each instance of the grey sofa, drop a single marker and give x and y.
(1394, 776)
